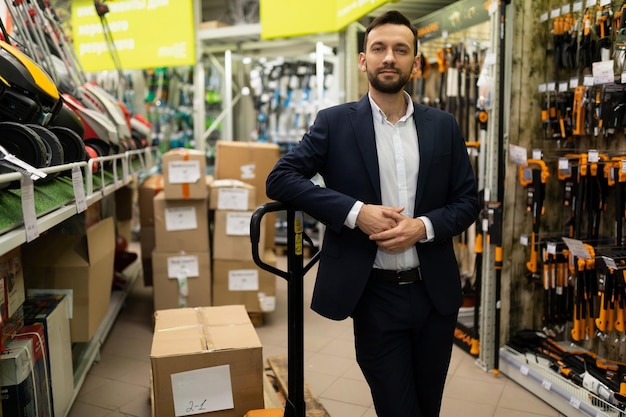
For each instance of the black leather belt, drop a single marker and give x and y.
(399, 277)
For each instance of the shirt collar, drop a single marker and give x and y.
(380, 115)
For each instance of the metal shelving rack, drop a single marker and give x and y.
(97, 185)
(535, 375)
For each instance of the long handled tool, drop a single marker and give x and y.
(296, 269)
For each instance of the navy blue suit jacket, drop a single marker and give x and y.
(341, 147)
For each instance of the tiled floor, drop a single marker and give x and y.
(118, 384)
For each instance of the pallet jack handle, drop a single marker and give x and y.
(296, 269)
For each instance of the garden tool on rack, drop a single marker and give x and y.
(296, 269)
(534, 176)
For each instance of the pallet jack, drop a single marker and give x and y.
(296, 269)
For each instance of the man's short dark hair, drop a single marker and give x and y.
(391, 17)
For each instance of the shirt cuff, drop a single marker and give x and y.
(353, 214)
(430, 231)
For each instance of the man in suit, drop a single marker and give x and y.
(398, 186)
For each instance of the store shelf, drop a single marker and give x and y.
(55, 201)
(534, 373)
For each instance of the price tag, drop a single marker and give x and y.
(603, 72)
(115, 178)
(609, 262)
(593, 155)
(565, 9)
(523, 239)
(574, 402)
(542, 88)
(556, 12)
(524, 370)
(576, 248)
(577, 7)
(518, 154)
(125, 171)
(79, 189)
(563, 164)
(551, 248)
(573, 83)
(544, 17)
(28, 208)
(546, 384)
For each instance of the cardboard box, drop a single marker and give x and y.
(243, 282)
(181, 225)
(181, 280)
(12, 277)
(231, 235)
(22, 374)
(232, 195)
(207, 357)
(82, 263)
(52, 311)
(249, 162)
(184, 174)
(150, 187)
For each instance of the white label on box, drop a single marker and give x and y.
(267, 302)
(183, 172)
(238, 224)
(243, 280)
(180, 218)
(201, 391)
(232, 199)
(182, 266)
(247, 171)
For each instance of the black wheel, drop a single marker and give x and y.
(73, 146)
(25, 144)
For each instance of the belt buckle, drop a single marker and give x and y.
(401, 282)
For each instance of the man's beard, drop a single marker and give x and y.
(388, 87)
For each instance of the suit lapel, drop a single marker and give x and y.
(426, 140)
(360, 116)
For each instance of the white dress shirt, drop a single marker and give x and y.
(398, 161)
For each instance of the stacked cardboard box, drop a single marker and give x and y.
(249, 162)
(236, 278)
(180, 259)
(81, 264)
(146, 191)
(205, 362)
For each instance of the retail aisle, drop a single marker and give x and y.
(118, 384)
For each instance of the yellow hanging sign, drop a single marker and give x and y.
(146, 34)
(288, 18)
